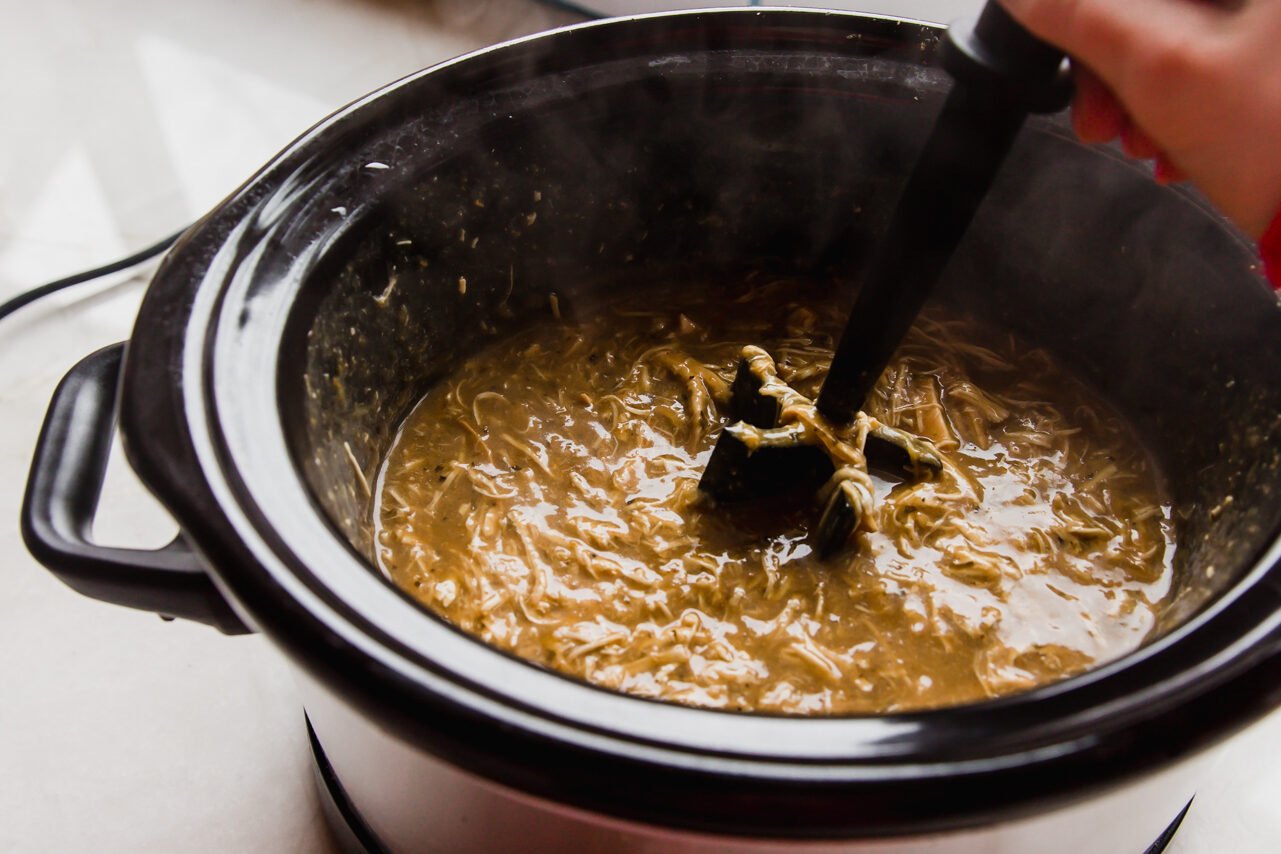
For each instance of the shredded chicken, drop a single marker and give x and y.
(545, 498)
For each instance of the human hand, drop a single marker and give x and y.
(1195, 84)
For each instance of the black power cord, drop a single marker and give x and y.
(27, 297)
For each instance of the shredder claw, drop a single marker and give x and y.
(757, 456)
(835, 524)
(737, 472)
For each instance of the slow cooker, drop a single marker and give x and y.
(287, 333)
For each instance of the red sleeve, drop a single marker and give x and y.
(1270, 250)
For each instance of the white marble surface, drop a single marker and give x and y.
(121, 122)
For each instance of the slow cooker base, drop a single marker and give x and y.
(353, 835)
(349, 830)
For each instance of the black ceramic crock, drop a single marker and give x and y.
(289, 330)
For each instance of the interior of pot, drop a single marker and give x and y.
(604, 162)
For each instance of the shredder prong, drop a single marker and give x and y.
(837, 521)
(746, 401)
(890, 449)
(735, 473)
(728, 475)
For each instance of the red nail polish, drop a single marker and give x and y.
(1166, 172)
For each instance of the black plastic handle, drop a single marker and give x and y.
(1002, 72)
(62, 497)
(996, 51)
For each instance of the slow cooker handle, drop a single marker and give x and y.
(62, 495)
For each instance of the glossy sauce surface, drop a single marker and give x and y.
(545, 498)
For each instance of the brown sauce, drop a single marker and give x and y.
(545, 498)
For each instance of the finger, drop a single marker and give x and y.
(1137, 143)
(1096, 113)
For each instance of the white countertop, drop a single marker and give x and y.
(122, 122)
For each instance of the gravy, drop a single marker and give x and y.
(544, 498)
